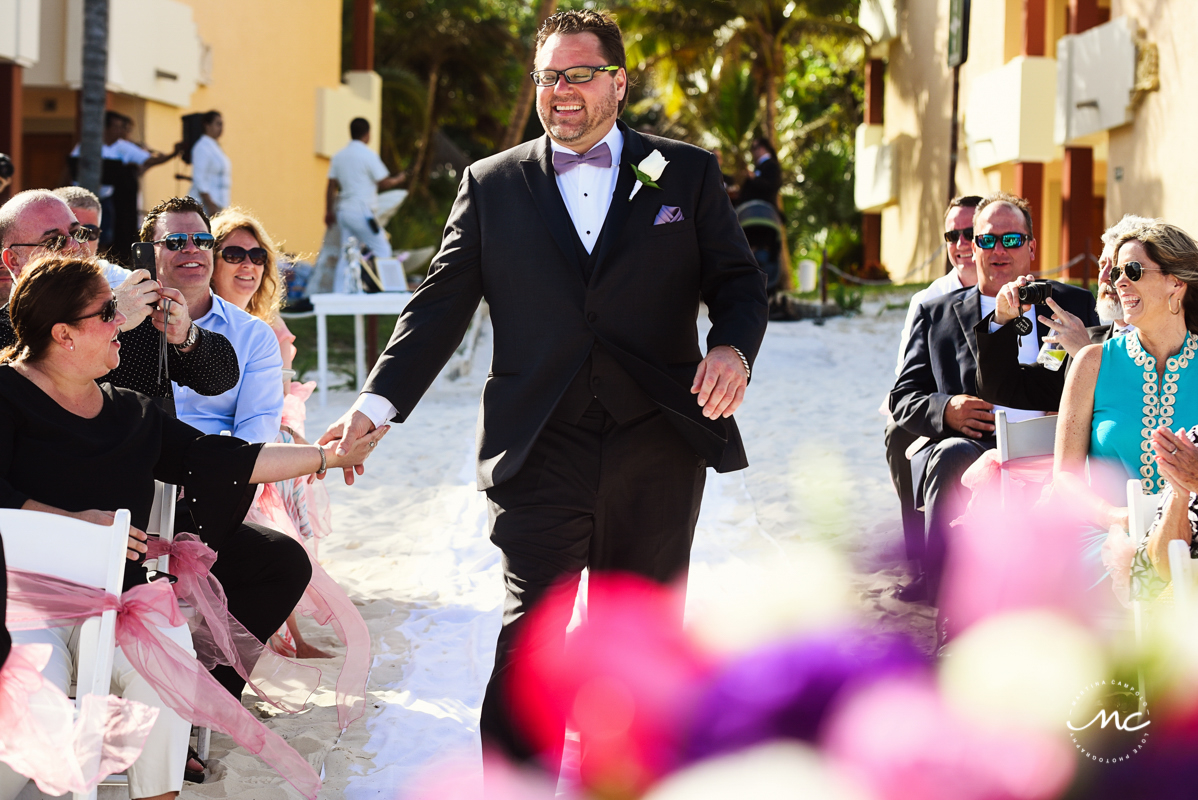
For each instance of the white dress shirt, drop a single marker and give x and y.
(211, 171)
(587, 191)
(121, 150)
(253, 409)
(357, 170)
(1029, 349)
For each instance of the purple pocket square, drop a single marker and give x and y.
(668, 214)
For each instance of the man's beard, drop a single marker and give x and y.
(604, 110)
(1109, 307)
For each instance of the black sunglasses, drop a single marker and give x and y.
(235, 255)
(549, 77)
(1010, 241)
(92, 232)
(1134, 269)
(952, 236)
(177, 241)
(56, 243)
(107, 312)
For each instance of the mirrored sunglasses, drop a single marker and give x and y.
(549, 77)
(1134, 269)
(177, 241)
(56, 243)
(235, 255)
(952, 236)
(1011, 241)
(107, 312)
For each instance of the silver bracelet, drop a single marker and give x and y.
(324, 464)
(743, 360)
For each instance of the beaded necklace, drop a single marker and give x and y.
(1159, 399)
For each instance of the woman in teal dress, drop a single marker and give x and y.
(1118, 394)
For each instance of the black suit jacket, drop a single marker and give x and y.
(942, 356)
(510, 240)
(1003, 380)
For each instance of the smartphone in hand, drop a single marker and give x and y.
(143, 258)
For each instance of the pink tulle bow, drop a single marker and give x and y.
(41, 739)
(294, 410)
(984, 474)
(1118, 552)
(43, 601)
(217, 636)
(327, 603)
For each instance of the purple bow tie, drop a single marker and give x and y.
(599, 156)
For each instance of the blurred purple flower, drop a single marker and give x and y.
(784, 691)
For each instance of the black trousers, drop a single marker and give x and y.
(897, 442)
(598, 495)
(264, 573)
(945, 498)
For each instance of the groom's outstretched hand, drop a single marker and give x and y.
(720, 382)
(352, 426)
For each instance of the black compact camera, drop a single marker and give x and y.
(1035, 293)
(6, 168)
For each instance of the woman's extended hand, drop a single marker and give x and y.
(137, 538)
(1176, 460)
(359, 451)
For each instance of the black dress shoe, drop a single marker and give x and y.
(914, 592)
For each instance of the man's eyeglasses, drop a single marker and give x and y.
(1134, 269)
(107, 312)
(1010, 241)
(58, 242)
(177, 241)
(92, 232)
(549, 77)
(235, 255)
(960, 233)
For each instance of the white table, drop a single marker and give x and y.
(358, 305)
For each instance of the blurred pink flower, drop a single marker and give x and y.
(626, 680)
(899, 739)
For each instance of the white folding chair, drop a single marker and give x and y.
(93, 555)
(1141, 511)
(1033, 437)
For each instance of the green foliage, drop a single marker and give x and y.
(848, 299)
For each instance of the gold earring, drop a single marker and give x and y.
(1171, 311)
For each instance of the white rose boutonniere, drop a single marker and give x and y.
(648, 171)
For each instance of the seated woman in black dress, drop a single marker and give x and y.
(74, 447)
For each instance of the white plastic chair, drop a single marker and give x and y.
(1033, 437)
(93, 555)
(1141, 511)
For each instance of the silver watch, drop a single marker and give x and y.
(193, 336)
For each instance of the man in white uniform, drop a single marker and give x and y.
(356, 176)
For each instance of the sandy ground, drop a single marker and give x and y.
(409, 544)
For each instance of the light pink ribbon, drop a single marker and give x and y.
(41, 739)
(327, 603)
(42, 601)
(983, 475)
(217, 636)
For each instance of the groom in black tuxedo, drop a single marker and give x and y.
(600, 413)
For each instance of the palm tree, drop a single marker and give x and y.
(93, 93)
(523, 107)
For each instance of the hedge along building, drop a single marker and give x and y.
(1081, 106)
(273, 73)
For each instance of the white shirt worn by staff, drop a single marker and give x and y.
(211, 172)
(253, 409)
(587, 191)
(357, 170)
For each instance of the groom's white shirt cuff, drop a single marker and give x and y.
(377, 408)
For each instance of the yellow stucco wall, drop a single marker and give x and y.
(269, 59)
(1155, 151)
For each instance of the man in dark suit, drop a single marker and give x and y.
(592, 448)
(765, 180)
(936, 392)
(1002, 379)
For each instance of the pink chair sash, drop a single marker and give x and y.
(327, 603)
(42, 601)
(219, 638)
(41, 739)
(983, 475)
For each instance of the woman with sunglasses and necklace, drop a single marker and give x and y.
(1119, 393)
(246, 274)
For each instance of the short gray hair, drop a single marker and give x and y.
(78, 197)
(12, 210)
(1123, 227)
